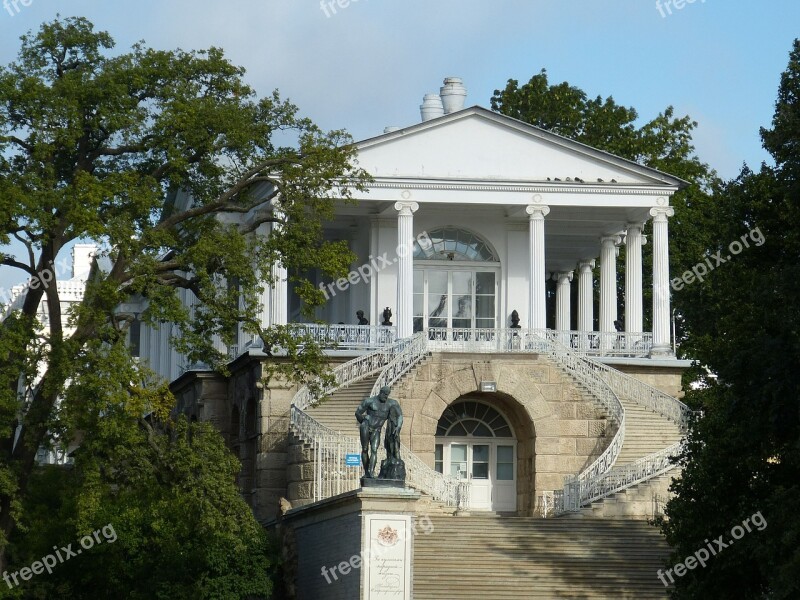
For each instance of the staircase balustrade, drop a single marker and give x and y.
(392, 362)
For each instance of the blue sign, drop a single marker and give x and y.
(352, 460)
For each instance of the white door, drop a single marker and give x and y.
(487, 466)
(475, 443)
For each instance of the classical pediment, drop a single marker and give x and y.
(476, 144)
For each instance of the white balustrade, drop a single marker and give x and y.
(597, 481)
(350, 337)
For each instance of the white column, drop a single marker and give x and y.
(608, 287)
(537, 293)
(661, 294)
(585, 295)
(633, 278)
(279, 301)
(563, 304)
(265, 301)
(405, 268)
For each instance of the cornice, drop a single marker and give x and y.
(528, 189)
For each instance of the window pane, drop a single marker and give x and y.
(504, 431)
(439, 452)
(458, 470)
(480, 471)
(505, 472)
(505, 454)
(418, 301)
(462, 283)
(458, 453)
(419, 281)
(439, 466)
(482, 431)
(484, 283)
(485, 307)
(480, 453)
(418, 324)
(437, 282)
(458, 430)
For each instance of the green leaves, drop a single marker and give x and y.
(743, 325)
(167, 160)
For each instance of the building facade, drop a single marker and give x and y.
(481, 245)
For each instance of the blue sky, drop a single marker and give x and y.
(369, 64)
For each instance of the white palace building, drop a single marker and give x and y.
(525, 393)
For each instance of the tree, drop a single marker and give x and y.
(663, 143)
(160, 494)
(743, 457)
(149, 153)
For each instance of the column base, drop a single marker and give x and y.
(662, 352)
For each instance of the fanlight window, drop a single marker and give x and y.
(449, 243)
(473, 419)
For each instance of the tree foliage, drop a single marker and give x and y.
(744, 455)
(169, 161)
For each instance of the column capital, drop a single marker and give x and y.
(537, 211)
(406, 208)
(586, 265)
(661, 213)
(635, 225)
(610, 239)
(560, 275)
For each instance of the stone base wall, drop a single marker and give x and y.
(666, 379)
(299, 472)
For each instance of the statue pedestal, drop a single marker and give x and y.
(357, 545)
(369, 482)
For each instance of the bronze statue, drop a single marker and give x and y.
(362, 320)
(387, 317)
(371, 414)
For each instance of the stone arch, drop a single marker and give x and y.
(517, 396)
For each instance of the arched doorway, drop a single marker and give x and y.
(456, 275)
(476, 443)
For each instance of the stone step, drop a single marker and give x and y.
(517, 557)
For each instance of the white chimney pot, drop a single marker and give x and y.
(453, 94)
(431, 107)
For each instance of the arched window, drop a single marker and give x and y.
(473, 419)
(450, 243)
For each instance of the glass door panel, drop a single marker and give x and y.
(419, 300)
(485, 310)
(505, 463)
(438, 298)
(462, 299)
(458, 460)
(480, 461)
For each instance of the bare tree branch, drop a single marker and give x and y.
(11, 262)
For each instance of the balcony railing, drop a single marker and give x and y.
(592, 343)
(350, 337)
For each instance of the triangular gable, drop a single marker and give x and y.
(480, 145)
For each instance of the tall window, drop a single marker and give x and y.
(455, 281)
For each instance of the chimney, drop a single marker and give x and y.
(454, 94)
(431, 107)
